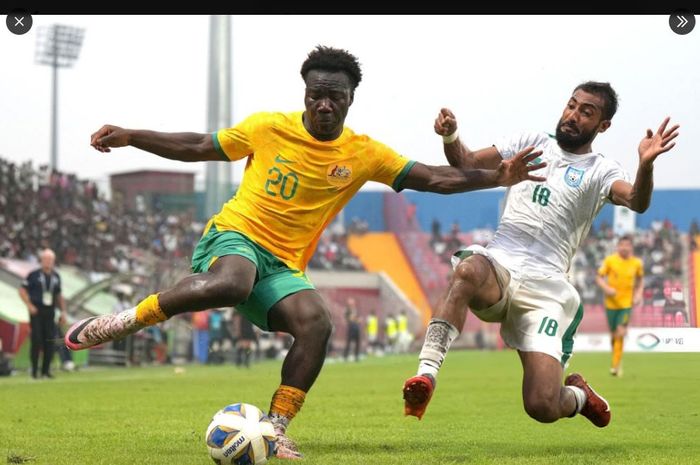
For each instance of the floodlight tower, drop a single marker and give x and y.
(219, 175)
(57, 46)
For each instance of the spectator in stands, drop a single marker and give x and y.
(333, 253)
(200, 336)
(621, 277)
(436, 240)
(41, 293)
(302, 168)
(352, 322)
(411, 211)
(64, 354)
(480, 336)
(154, 342)
(693, 233)
(216, 336)
(435, 230)
(520, 278)
(452, 242)
(345, 258)
(245, 338)
(675, 306)
(5, 363)
(358, 226)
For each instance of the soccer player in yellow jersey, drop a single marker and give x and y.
(621, 277)
(302, 168)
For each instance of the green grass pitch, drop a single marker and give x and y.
(354, 414)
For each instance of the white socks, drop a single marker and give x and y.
(279, 421)
(438, 338)
(580, 397)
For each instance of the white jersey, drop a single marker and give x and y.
(543, 223)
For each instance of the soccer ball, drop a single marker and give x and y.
(241, 434)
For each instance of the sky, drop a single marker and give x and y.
(499, 74)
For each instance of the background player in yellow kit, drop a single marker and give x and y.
(621, 277)
(302, 168)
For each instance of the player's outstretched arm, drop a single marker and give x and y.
(637, 196)
(449, 179)
(456, 152)
(182, 146)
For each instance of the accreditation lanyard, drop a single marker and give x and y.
(46, 295)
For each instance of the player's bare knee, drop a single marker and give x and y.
(322, 327)
(469, 276)
(470, 272)
(314, 323)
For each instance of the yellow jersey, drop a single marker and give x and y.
(294, 185)
(621, 275)
(391, 328)
(372, 325)
(402, 324)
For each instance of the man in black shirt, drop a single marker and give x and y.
(352, 320)
(41, 293)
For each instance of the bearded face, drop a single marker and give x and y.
(570, 137)
(580, 122)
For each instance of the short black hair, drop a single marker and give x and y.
(625, 237)
(604, 90)
(333, 59)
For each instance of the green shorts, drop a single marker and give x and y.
(273, 282)
(617, 317)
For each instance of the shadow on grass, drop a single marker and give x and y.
(14, 458)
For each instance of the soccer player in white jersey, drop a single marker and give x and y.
(520, 278)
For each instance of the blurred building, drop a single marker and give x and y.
(150, 190)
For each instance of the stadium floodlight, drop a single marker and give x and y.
(57, 46)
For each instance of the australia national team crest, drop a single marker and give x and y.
(339, 174)
(573, 176)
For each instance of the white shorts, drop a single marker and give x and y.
(536, 314)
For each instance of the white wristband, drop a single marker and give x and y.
(451, 138)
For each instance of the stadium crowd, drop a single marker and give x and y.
(40, 207)
(48, 208)
(332, 253)
(659, 247)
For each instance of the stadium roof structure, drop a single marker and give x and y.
(12, 308)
